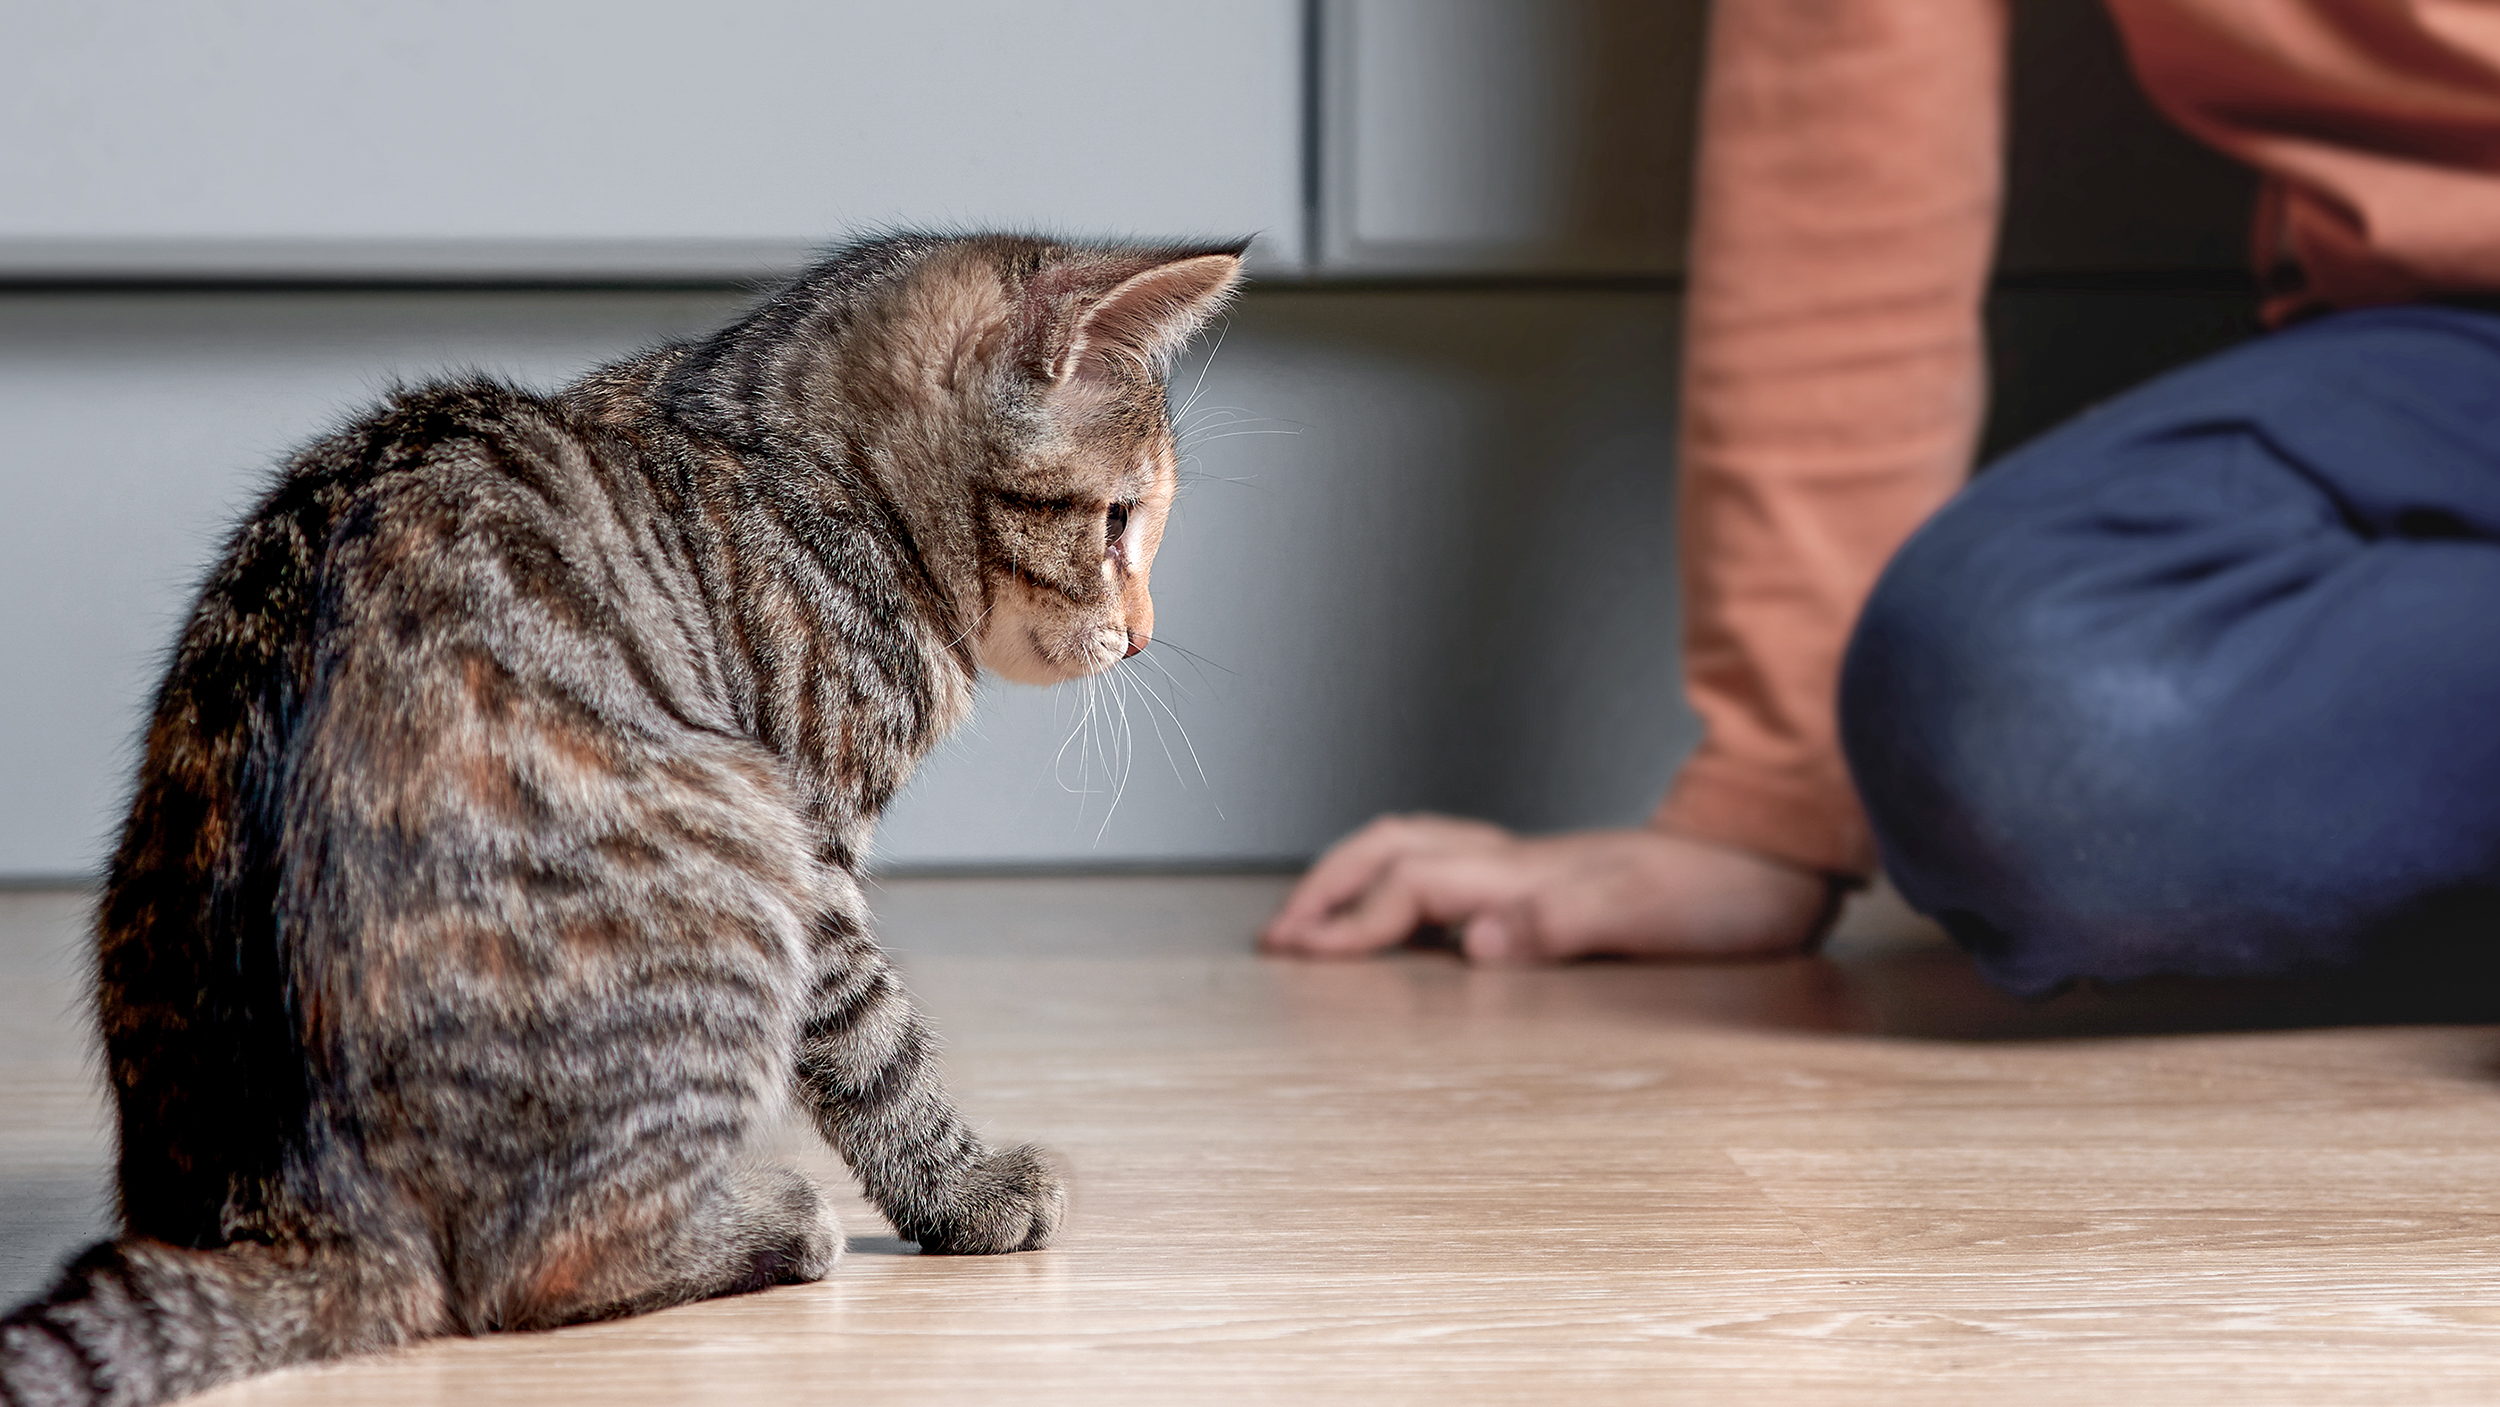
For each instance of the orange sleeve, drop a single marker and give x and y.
(1846, 204)
(2376, 123)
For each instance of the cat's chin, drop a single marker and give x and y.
(1020, 659)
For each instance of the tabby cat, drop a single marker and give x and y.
(492, 874)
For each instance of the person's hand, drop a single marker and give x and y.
(1633, 893)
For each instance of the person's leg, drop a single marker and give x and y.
(2207, 681)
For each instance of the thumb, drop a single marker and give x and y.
(1501, 935)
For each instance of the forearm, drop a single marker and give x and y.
(1846, 204)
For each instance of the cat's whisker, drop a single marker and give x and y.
(1097, 728)
(1247, 481)
(1197, 388)
(1179, 727)
(1128, 754)
(1098, 747)
(1196, 661)
(1242, 412)
(1197, 437)
(1085, 754)
(1097, 733)
(1128, 730)
(1157, 724)
(1077, 738)
(1102, 749)
(1232, 412)
(1218, 416)
(972, 629)
(1197, 442)
(1179, 690)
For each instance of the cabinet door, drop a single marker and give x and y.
(627, 138)
(1506, 136)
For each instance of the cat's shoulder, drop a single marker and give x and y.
(469, 440)
(452, 420)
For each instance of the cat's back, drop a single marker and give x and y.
(492, 620)
(463, 533)
(461, 499)
(448, 487)
(438, 742)
(448, 615)
(513, 662)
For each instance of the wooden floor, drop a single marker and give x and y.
(1857, 1179)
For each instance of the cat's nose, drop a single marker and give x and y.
(1136, 641)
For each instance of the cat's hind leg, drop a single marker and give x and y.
(761, 1225)
(771, 1225)
(868, 1073)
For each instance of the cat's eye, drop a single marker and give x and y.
(1114, 524)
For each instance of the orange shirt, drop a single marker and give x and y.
(1846, 202)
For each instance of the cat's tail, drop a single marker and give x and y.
(136, 1321)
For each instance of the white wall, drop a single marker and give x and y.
(1422, 550)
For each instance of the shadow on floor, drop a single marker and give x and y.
(1940, 996)
(1928, 992)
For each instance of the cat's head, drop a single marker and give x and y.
(1070, 522)
(1008, 394)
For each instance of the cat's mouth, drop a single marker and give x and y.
(1028, 654)
(1096, 651)
(1111, 644)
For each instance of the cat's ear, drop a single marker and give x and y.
(1144, 319)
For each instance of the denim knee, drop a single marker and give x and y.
(2202, 682)
(2070, 802)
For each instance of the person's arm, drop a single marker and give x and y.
(1846, 204)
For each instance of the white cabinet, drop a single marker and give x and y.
(1465, 137)
(630, 140)
(627, 138)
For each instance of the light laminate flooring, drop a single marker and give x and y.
(1860, 1178)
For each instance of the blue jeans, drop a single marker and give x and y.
(2207, 680)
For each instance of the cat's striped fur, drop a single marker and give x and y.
(491, 874)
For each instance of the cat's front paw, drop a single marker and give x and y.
(1012, 1202)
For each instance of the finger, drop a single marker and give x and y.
(1502, 935)
(1336, 879)
(1382, 915)
(1412, 892)
(1354, 864)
